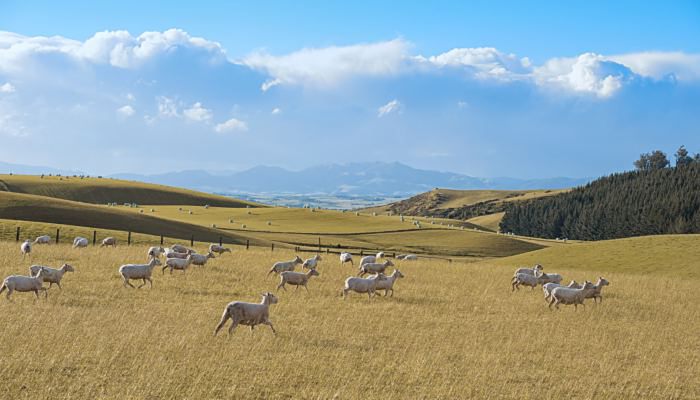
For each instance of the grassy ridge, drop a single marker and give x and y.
(44, 209)
(104, 190)
(442, 335)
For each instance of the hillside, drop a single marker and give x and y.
(26, 207)
(462, 204)
(638, 203)
(106, 190)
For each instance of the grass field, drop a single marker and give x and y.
(452, 330)
(490, 221)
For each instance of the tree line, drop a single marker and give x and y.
(654, 199)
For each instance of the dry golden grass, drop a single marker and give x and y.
(451, 331)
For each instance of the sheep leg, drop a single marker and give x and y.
(345, 294)
(223, 320)
(307, 289)
(233, 326)
(281, 285)
(551, 301)
(59, 285)
(268, 323)
(150, 283)
(126, 282)
(143, 284)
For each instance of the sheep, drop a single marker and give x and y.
(138, 271)
(547, 278)
(51, 275)
(380, 255)
(346, 257)
(44, 239)
(595, 294)
(373, 268)
(531, 271)
(109, 241)
(80, 242)
(311, 263)
(388, 283)
(177, 263)
(173, 254)
(296, 278)
(410, 257)
(155, 251)
(371, 259)
(26, 248)
(25, 284)
(525, 280)
(248, 314)
(215, 248)
(548, 287)
(362, 285)
(179, 248)
(565, 295)
(201, 259)
(400, 256)
(282, 266)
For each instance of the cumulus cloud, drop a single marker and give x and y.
(198, 113)
(393, 106)
(660, 65)
(7, 87)
(483, 62)
(275, 110)
(167, 107)
(588, 73)
(329, 66)
(126, 111)
(231, 125)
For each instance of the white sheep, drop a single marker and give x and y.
(400, 256)
(282, 266)
(109, 241)
(388, 283)
(248, 314)
(201, 259)
(177, 263)
(179, 248)
(26, 248)
(346, 257)
(138, 271)
(524, 279)
(547, 278)
(155, 251)
(215, 248)
(296, 278)
(380, 255)
(173, 254)
(80, 242)
(549, 286)
(371, 259)
(44, 239)
(51, 275)
(374, 268)
(362, 285)
(595, 294)
(311, 263)
(531, 271)
(565, 295)
(410, 257)
(22, 283)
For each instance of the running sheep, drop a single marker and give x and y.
(362, 285)
(565, 295)
(375, 268)
(296, 278)
(177, 263)
(215, 248)
(44, 239)
(138, 271)
(201, 259)
(282, 266)
(22, 283)
(51, 275)
(26, 248)
(388, 283)
(80, 242)
(346, 257)
(250, 314)
(595, 294)
(311, 263)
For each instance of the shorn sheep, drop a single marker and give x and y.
(311, 263)
(174, 254)
(525, 279)
(410, 257)
(109, 241)
(26, 248)
(155, 251)
(345, 258)
(371, 259)
(51, 275)
(388, 284)
(565, 295)
(282, 266)
(532, 271)
(177, 263)
(215, 248)
(138, 271)
(374, 268)
(548, 287)
(179, 248)
(80, 242)
(595, 294)
(362, 285)
(250, 314)
(44, 239)
(296, 278)
(201, 259)
(22, 283)
(547, 278)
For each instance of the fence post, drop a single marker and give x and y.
(17, 237)
(247, 244)
(161, 240)
(221, 243)
(128, 239)
(362, 253)
(192, 241)
(94, 238)
(328, 251)
(58, 234)
(273, 247)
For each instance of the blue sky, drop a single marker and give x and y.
(522, 89)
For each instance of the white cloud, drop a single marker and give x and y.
(275, 111)
(462, 104)
(7, 87)
(130, 97)
(126, 111)
(329, 66)
(659, 65)
(231, 125)
(393, 106)
(198, 113)
(484, 62)
(11, 125)
(588, 73)
(167, 107)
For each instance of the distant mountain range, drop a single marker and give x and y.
(354, 179)
(341, 180)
